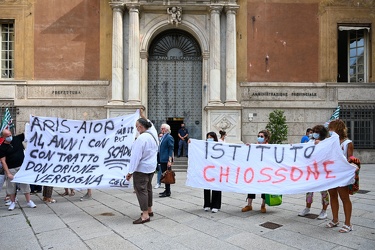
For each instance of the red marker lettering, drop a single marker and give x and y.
(224, 174)
(205, 176)
(262, 173)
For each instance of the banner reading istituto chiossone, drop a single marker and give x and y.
(268, 168)
(78, 154)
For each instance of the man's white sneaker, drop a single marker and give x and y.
(322, 215)
(207, 209)
(214, 210)
(304, 212)
(12, 206)
(31, 204)
(8, 202)
(157, 185)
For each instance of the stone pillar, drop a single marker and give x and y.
(231, 57)
(214, 90)
(117, 54)
(134, 55)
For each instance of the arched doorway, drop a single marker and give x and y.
(175, 82)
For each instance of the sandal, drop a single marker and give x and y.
(346, 229)
(332, 224)
(72, 193)
(64, 194)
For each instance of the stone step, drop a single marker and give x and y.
(180, 164)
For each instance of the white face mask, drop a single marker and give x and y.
(210, 139)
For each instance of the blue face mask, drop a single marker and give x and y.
(9, 138)
(261, 139)
(310, 136)
(210, 139)
(330, 133)
(316, 135)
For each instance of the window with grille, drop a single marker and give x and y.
(7, 48)
(360, 120)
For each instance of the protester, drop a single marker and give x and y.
(212, 202)
(142, 167)
(166, 155)
(263, 138)
(308, 136)
(183, 134)
(319, 133)
(12, 156)
(223, 134)
(339, 127)
(158, 167)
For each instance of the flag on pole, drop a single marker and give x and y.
(334, 116)
(6, 123)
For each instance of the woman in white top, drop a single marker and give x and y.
(340, 128)
(143, 162)
(223, 134)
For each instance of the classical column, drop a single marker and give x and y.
(134, 55)
(117, 54)
(214, 94)
(231, 57)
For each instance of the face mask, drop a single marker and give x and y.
(310, 136)
(316, 135)
(210, 139)
(260, 139)
(182, 127)
(9, 138)
(330, 133)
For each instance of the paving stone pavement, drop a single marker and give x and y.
(105, 222)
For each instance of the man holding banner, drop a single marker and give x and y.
(11, 157)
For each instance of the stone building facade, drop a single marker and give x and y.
(210, 64)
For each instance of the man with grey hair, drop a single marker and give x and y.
(166, 154)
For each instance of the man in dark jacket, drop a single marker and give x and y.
(166, 154)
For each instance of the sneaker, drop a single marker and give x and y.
(322, 215)
(157, 185)
(304, 212)
(31, 204)
(215, 210)
(206, 209)
(12, 206)
(86, 197)
(8, 202)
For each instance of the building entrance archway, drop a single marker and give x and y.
(175, 82)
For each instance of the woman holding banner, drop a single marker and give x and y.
(340, 128)
(263, 138)
(212, 202)
(319, 134)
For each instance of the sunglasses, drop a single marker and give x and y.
(261, 136)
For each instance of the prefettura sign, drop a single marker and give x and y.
(268, 168)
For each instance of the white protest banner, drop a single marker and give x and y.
(268, 168)
(78, 154)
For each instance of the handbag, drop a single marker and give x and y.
(273, 199)
(354, 188)
(168, 177)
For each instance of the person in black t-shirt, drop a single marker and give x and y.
(12, 156)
